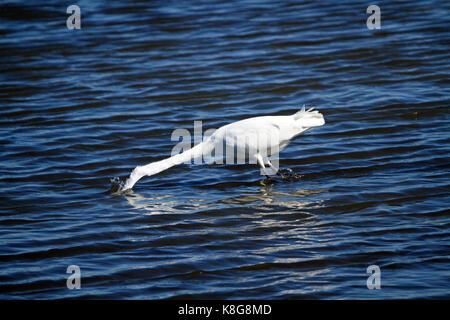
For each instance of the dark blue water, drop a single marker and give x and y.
(79, 107)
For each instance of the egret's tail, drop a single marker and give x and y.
(309, 118)
(158, 166)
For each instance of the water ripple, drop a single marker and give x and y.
(82, 106)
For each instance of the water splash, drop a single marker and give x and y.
(288, 175)
(117, 185)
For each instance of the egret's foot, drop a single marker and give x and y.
(268, 180)
(288, 174)
(117, 185)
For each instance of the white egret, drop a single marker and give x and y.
(256, 138)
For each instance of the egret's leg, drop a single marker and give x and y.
(260, 160)
(272, 166)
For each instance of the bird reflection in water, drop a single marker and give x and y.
(267, 195)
